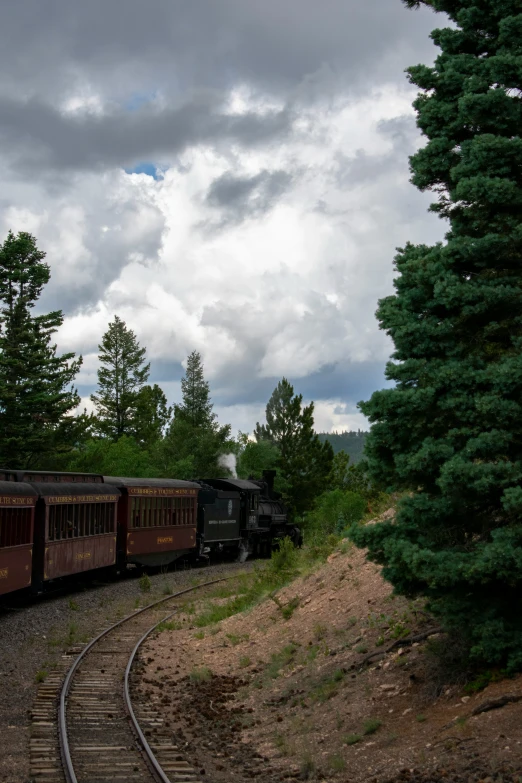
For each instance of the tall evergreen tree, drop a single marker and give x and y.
(304, 462)
(450, 431)
(36, 396)
(194, 441)
(196, 407)
(122, 374)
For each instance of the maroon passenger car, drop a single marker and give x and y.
(17, 505)
(75, 529)
(156, 519)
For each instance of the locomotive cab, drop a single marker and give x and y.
(219, 520)
(249, 499)
(248, 493)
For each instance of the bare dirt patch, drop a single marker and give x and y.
(282, 692)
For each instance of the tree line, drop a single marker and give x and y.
(133, 430)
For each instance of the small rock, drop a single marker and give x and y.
(465, 699)
(409, 709)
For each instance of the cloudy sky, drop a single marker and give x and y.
(229, 176)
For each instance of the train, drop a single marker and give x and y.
(55, 525)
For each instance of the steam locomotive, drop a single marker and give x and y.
(56, 525)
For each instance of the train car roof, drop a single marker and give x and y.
(237, 484)
(122, 481)
(74, 489)
(17, 488)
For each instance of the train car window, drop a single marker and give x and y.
(52, 528)
(135, 520)
(79, 520)
(254, 501)
(15, 527)
(163, 511)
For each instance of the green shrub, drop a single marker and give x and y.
(284, 560)
(201, 674)
(289, 608)
(333, 512)
(337, 763)
(170, 625)
(371, 725)
(483, 679)
(144, 583)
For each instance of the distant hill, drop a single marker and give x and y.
(351, 442)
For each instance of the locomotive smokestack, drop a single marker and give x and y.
(269, 476)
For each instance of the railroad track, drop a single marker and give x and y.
(100, 738)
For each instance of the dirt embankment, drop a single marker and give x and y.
(281, 692)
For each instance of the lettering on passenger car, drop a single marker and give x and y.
(83, 555)
(165, 540)
(82, 499)
(16, 501)
(165, 491)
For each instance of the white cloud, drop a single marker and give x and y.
(268, 257)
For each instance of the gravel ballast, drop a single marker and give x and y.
(33, 637)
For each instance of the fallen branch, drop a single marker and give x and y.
(495, 704)
(458, 740)
(400, 643)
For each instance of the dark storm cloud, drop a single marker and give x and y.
(178, 44)
(42, 137)
(348, 382)
(239, 197)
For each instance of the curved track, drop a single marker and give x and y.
(100, 738)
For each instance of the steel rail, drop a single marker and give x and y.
(128, 704)
(62, 710)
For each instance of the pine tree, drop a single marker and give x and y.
(196, 407)
(122, 374)
(304, 462)
(152, 415)
(194, 441)
(450, 431)
(36, 396)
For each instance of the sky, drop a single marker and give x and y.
(226, 176)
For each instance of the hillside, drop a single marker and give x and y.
(287, 690)
(351, 442)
